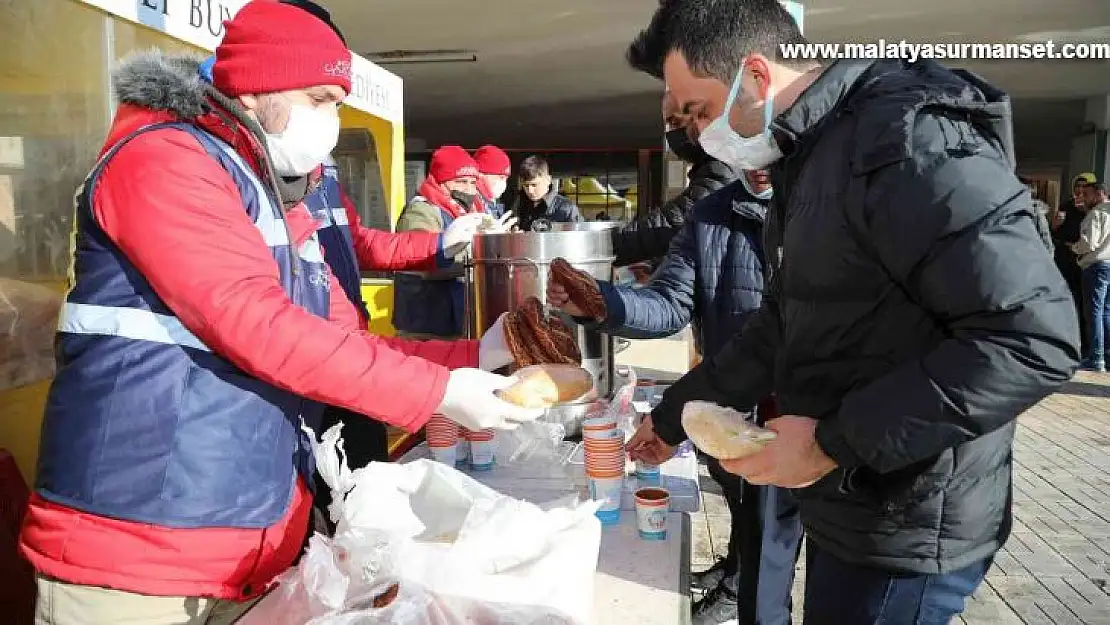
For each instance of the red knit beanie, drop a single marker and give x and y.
(492, 160)
(269, 46)
(451, 162)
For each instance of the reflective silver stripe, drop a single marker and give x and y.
(129, 323)
(339, 216)
(272, 229)
(310, 250)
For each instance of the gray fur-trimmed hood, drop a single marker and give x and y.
(161, 82)
(173, 83)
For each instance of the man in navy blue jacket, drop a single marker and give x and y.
(713, 277)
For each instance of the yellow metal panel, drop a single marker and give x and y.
(378, 295)
(21, 422)
(389, 141)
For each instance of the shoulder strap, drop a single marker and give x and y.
(98, 168)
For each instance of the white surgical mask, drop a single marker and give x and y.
(765, 194)
(498, 187)
(723, 143)
(306, 142)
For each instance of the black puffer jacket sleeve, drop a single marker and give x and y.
(956, 231)
(741, 375)
(647, 239)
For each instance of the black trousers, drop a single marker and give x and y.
(364, 441)
(764, 543)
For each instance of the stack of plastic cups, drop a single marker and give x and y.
(604, 458)
(443, 439)
(481, 449)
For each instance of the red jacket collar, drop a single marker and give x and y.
(429, 190)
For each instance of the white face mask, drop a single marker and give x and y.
(306, 142)
(498, 187)
(723, 143)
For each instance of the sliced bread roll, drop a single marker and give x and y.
(722, 432)
(543, 386)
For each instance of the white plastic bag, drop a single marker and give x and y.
(458, 552)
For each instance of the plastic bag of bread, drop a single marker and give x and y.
(543, 386)
(423, 544)
(721, 432)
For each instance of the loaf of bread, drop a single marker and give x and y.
(534, 340)
(722, 432)
(581, 289)
(543, 386)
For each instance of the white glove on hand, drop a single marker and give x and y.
(460, 233)
(470, 402)
(493, 351)
(504, 223)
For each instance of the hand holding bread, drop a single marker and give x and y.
(575, 292)
(722, 432)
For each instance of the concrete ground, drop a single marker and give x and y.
(1055, 569)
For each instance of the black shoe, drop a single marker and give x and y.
(708, 579)
(717, 607)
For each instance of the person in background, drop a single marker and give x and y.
(1093, 250)
(540, 201)
(201, 327)
(1041, 211)
(494, 169)
(713, 278)
(1065, 223)
(910, 316)
(647, 239)
(430, 304)
(349, 248)
(601, 216)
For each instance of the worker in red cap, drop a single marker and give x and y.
(202, 331)
(429, 304)
(494, 169)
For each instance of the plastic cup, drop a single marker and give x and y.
(481, 455)
(652, 505)
(608, 491)
(441, 432)
(611, 472)
(479, 435)
(602, 430)
(462, 453)
(647, 472)
(446, 455)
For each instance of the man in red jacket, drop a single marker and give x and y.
(201, 333)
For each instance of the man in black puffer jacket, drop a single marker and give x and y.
(649, 238)
(912, 312)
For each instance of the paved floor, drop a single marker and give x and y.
(1055, 569)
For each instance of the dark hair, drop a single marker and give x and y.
(714, 36)
(1097, 187)
(319, 12)
(534, 167)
